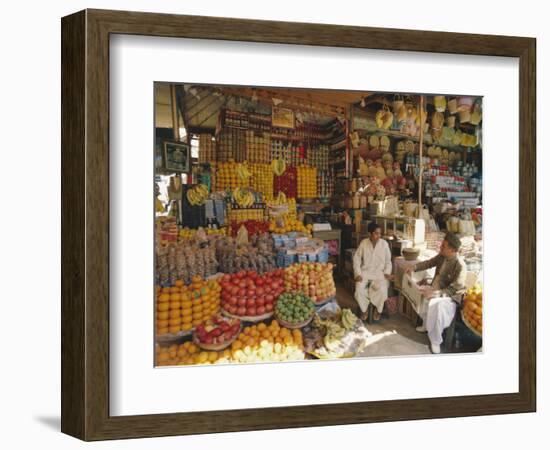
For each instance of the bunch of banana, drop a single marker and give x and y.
(278, 166)
(243, 198)
(334, 335)
(348, 319)
(242, 172)
(197, 195)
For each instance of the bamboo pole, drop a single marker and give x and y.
(175, 118)
(420, 152)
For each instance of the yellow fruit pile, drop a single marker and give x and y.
(227, 176)
(473, 308)
(181, 307)
(289, 223)
(256, 343)
(241, 215)
(262, 178)
(307, 182)
(189, 233)
(267, 343)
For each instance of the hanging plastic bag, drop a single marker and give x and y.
(242, 236)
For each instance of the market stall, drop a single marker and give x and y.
(262, 195)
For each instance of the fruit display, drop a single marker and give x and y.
(334, 333)
(473, 308)
(183, 261)
(262, 179)
(182, 307)
(207, 148)
(190, 233)
(243, 197)
(253, 227)
(257, 255)
(313, 279)
(278, 166)
(197, 194)
(242, 215)
(318, 156)
(226, 176)
(294, 309)
(348, 319)
(307, 182)
(258, 147)
(287, 223)
(249, 294)
(216, 333)
(267, 343)
(264, 342)
(287, 183)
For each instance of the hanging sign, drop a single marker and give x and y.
(282, 117)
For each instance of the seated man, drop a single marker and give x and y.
(438, 310)
(372, 269)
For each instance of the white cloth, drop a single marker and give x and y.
(371, 264)
(437, 314)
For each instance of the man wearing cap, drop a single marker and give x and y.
(445, 292)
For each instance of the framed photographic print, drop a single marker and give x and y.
(348, 225)
(176, 157)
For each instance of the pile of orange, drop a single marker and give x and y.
(188, 354)
(182, 307)
(473, 308)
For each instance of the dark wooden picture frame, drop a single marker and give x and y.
(85, 224)
(166, 156)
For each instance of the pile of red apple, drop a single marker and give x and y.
(249, 294)
(217, 330)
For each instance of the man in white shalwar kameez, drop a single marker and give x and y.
(445, 293)
(372, 269)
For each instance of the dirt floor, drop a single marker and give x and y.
(396, 335)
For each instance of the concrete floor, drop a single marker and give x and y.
(394, 336)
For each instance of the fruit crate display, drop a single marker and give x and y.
(286, 183)
(307, 182)
(207, 148)
(180, 307)
(258, 147)
(317, 156)
(262, 178)
(232, 145)
(227, 176)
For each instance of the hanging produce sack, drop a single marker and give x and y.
(453, 105)
(457, 139)
(384, 142)
(242, 236)
(467, 227)
(397, 103)
(384, 118)
(374, 142)
(440, 103)
(465, 103)
(475, 118)
(464, 116)
(451, 121)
